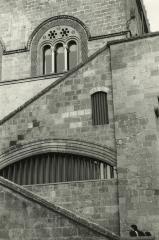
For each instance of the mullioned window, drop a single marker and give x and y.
(59, 50)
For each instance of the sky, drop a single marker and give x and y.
(152, 7)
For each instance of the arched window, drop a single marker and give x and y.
(56, 167)
(62, 29)
(47, 59)
(59, 58)
(72, 54)
(99, 108)
(59, 50)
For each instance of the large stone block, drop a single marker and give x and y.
(95, 200)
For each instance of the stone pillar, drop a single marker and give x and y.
(53, 59)
(66, 59)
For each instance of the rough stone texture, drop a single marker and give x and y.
(139, 238)
(97, 44)
(18, 21)
(95, 200)
(18, 64)
(19, 18)
(135, 89)
(136, 25)
(10, 100)
(1, 53)
(65, 110)
(24, 217)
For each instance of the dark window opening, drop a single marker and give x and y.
(56, 167)
(99, 108)
(59, 58)
(72, 55)
(47, 60)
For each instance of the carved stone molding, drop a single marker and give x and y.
(101, 153)
(50, 23)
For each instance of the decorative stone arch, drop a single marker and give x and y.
(99, 89)
(57, 160)
(101, 153)
(62, 20)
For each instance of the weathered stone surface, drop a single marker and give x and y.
(23, 215)
(130, 71)
(18, 17)
(95, 200)
(135, 89)
(64, 111)
(27, 89)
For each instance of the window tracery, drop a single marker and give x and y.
(59, 49)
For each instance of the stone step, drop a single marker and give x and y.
(25, 215)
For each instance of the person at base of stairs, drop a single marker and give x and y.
(135, 232)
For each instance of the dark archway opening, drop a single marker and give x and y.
(56, 167)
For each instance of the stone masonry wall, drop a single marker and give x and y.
(95, 200)
(16, 66)
(136, 26)
(19, 18)
(1, 53)
(10, 100)
(22, 218)
(135, 76)
(65, 110)
(18, 21)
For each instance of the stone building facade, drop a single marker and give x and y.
(78, 120)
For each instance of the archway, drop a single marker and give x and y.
(58, 160)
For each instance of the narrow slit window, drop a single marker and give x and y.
(59, 58)
(47, 59)
(72, 54)
(99, 108)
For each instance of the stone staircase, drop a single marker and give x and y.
(26, 216)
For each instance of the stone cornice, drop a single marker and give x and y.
(9, 52)
(109, 181)
(55, 208)
(144, 36)
(90, 38)
(117, 34)
(38, 78)
(77, 147)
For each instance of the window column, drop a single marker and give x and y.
(66, 56)
(53, 59)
